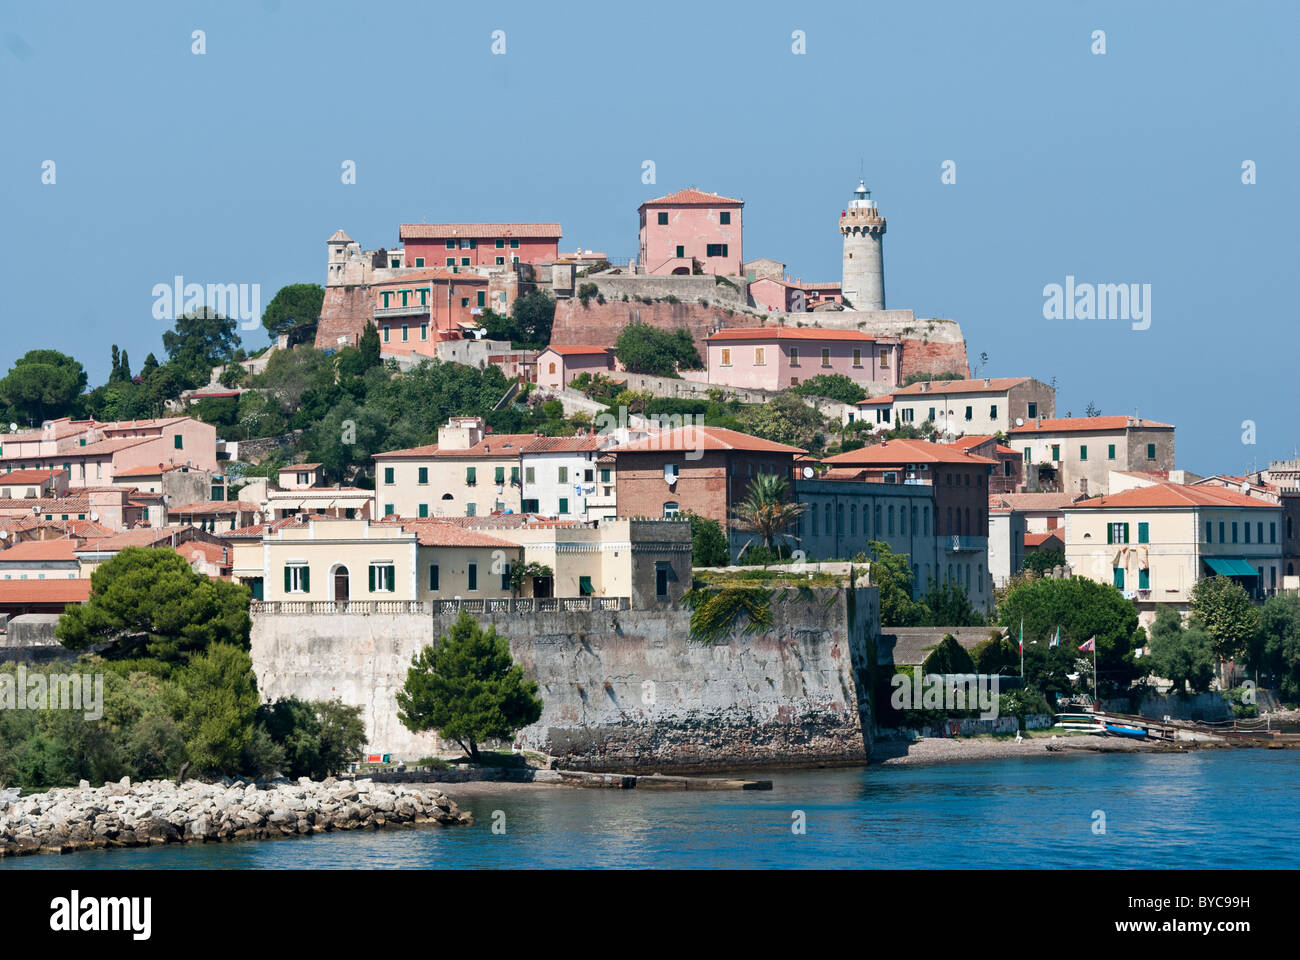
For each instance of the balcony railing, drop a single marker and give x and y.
(410, 310)
(965, 544)
(439, 607)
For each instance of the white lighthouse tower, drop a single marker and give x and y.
(863, 229)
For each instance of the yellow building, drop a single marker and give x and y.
(1155, 542)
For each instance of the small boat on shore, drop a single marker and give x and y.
(1123, 730)
(1085, 722)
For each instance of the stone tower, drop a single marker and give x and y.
(863, 229)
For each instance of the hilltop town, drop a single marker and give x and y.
(475, 419)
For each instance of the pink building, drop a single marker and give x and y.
(691, 229)
(91, 452)
(556, 366)
(783, 296)
(773, 358)
(415, 311)
(461, 246)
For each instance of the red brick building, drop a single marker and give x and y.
(701, 470)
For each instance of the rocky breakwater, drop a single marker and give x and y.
(157, 812)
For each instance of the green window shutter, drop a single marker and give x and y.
(286, 579)
(564, 504)
(584, 587)
(500, 474)
(388, 474)
(176, 440)
(306, 580)
(481, 298)
(392, 577)
(514, 475)
(372, 578)
(472, 574)
(424, 474)
(1126, 533)
(1144, 533)
(1083, 452)
(424, 509)
(1151, 451)
(471, 475)
(1110, 452)
(604, 474)
(1144, 579)
(1110, 533)
(1119, 577)
(433, 576)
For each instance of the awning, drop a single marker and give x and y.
(1231, 567)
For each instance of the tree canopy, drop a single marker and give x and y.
(1229, 617)
(294, 310)
(643, 348)
(783, 419)
(468, 688)
(147, 601)
(1182, 654)
(200, 341)
(835, 386)
(43, 385)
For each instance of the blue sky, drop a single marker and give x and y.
(1119, 168)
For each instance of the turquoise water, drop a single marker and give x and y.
(1233, 809)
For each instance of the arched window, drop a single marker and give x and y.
(671, 508)
(552, 368)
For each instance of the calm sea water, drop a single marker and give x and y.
(1234, 809)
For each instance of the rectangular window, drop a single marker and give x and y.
(585, 588)
(1056, 452)
(424, 510)
(970, 413)
(419, 261)
(1247, 526)
(506, 585)
(794, 356)
(604, 474)
(993, 412)
(500, 244)
(857, 357)
(1083, 452)
(826, 357)
(514, 476)
(471, 576)
(514, 244)
(530, 474)
(661, 579)
(663, 219)
(433, 576)
(177, 441)
(388, 474)
(1259, 530)
(1117, 533)
(564, 505)
(1118, 577)
(499, 475)
(681, 252)
(406, 332)
(386, 328)
(297, 579)
(1272, 533)
(471, 476)
(451, 261)
(389, 510)
(1221, 535)
(451, 244)
(422, 475)
(482, 298)
(724, 217)
(501, 261)
(1032, 411)
(1234, 531)
(1110, 452)
(726, 356)
(464, 261)
(760, 356)
(1144, 532)
(1151, 451)
(471, 509)
(382, 578)
(562, 475)
(1209, 532)
(424, 331)
(715, 250)
(884, 357)
(1144, 579)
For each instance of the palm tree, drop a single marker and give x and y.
(767, 509)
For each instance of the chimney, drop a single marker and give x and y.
(988, 382)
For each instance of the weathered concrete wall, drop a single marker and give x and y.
(622, 690)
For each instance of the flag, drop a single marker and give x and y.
(1056, 640)
(1089, 644)
(1022, 634)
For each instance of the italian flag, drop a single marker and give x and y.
(1089, 644)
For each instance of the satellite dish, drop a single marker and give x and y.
(808, 473)
(36, 508)
(1245, 487)
(13, 428)
(94, 516)
(4, 534)
(1020, 421)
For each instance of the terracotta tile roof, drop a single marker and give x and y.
(435, 533)
(1084, 424)
(215, 507)
(1173, 495)
(338, 236)
(1038, 539)
(876, 401)
(300, 466)
(139, 537)
(703, 438)
(692, 197)
(494, 446)
(965, 443)
(427, 450)
(943, 387)
(583, 350)
(27, 476)
(48, 504)
(890, 452)
(213, 553)
(145, 471)
(33, 550)
(789, 333)
(44, 591)
(578, 444)
(254, 531)
(1033, 501)
(479, 231)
